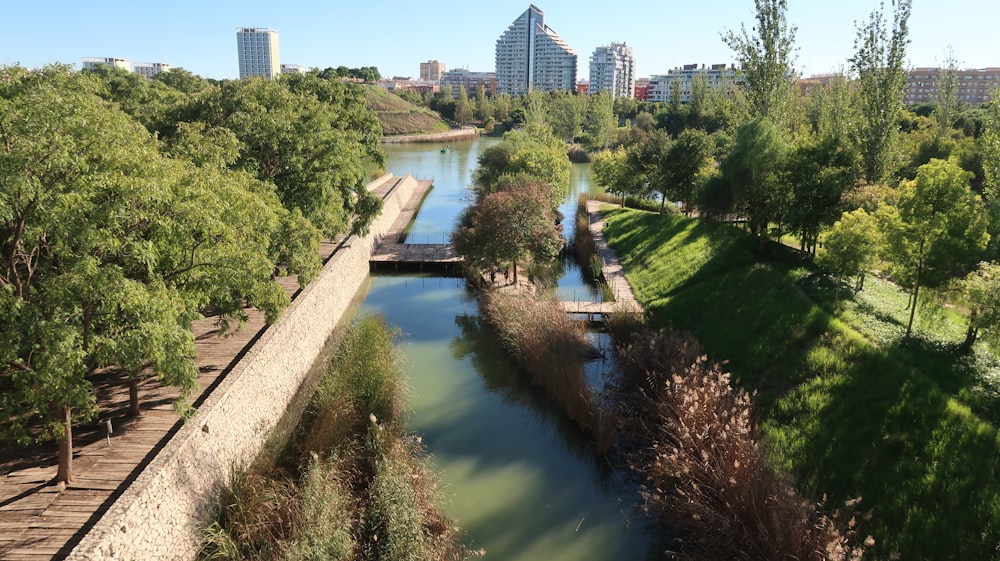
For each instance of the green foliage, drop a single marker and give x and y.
(766, 55)
(878, 64)
(821, 169)
(937, 231)
(755, 168)
(684, 164)
(891, 422)
(533, 151)
(851, 247)
(980, 292)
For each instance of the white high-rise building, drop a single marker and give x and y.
(530, 55)
(612, 70)
(716, 76)
(150, 69)
(258, 51)
(123, 63)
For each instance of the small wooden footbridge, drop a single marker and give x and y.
(392, 251)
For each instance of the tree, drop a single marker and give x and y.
(980, 292)
(850, 248)
(878, 65)
(533, 151)
(308, 136)
(946, 96)
(989, 144)
(463, 110)
(600, 123)
(563, 113)
(755, 169)
(766, 57)
(610, 173)
(484, 107)
(110, 251)
(682, 165)
(821, 169)
(507, 226)
(936, 231)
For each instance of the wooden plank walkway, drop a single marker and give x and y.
(391, 251)
(40, 522)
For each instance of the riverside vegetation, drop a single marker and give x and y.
(351, 483)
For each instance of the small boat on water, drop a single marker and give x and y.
(445, 150)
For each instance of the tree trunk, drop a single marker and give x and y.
(133, 397)
(64, 474)
(913, 308)
(514, 266)
(972, 333)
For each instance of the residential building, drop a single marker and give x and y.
(293, 69)
(642, 89)
(471, 80)
(974, 86)
(583, 87)
(530, 55)
(150, 69)
(661, 86)
(431, 71)
(612, 70)
(123, 63)
(258, 52)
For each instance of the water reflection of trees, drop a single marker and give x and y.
(503, 377)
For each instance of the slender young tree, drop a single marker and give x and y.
(766, 54)
(878, 66)
(946, 97)
(937, 230)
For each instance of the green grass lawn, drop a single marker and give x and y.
(847, 406)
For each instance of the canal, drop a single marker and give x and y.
(519, 479)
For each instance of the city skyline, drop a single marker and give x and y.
(199, 36)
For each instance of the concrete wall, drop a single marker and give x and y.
(161, 514)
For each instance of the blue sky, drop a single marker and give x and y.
(396, 36)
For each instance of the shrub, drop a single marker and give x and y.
(705, 473)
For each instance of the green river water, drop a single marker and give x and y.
(517, 477)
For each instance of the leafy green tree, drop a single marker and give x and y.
(463, 109)
(937, 230)
(989, 147)
(508, 226)
(562, 112)
(756, 172)
(110, 250)
(610, 172)
(821, 169)
(484, 107)
(766, 56)
(682, 165)
(946, 97)
(851, 247)
(979, 291)
(533, 151)
(600, 124)
(878, 65)
(310, 137)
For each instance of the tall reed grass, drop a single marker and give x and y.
(694, 444)
(550, 346)
(365, 491)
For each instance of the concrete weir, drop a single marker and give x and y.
(161, 513)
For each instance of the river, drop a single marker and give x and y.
(519, 479)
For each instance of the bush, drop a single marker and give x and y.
(705, 473)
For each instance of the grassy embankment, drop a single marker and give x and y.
(352, 484)
(399, 116)
(847, 406)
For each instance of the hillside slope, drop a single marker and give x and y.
(849, 407)
(399, 116)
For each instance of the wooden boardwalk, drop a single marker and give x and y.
(392, 251)
(38, 521)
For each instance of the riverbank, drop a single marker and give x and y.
(464, 133)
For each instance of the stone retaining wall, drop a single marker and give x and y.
(161, 514)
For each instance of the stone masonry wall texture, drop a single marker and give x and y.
(161, 514)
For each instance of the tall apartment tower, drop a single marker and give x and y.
(531, 56)
(431, 71)
(258, 50)
(612, 70)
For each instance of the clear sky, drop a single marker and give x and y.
(397, 35)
